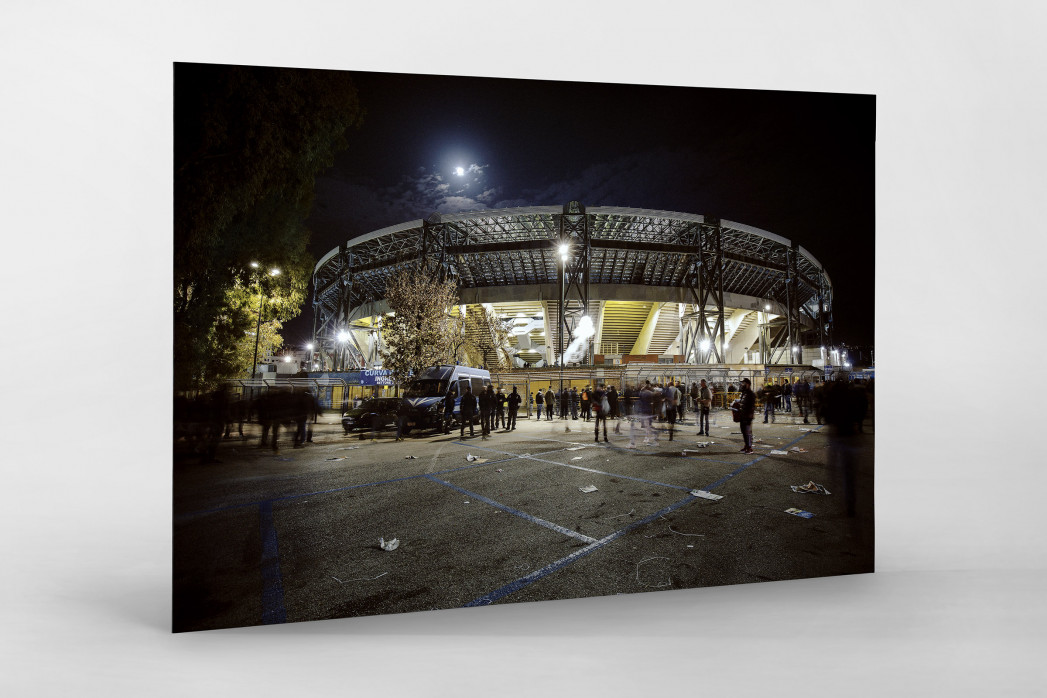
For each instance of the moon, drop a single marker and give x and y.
(459, 171)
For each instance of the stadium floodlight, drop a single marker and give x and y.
(704, 345)
(343, 336)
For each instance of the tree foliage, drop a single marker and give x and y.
(419, 332)
(249, 143)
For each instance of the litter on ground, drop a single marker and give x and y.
(704, 494)
(475, 459)
(337, 458)
(388, 544)
(410, 457)
(500, 470)
(666, 583)
(588, 488)
(799, 512)
(576, 448)
(776, 452)
(811, 487)
(700, 535)
(360, 579)
(577, 458)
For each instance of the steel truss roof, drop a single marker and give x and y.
(518, 247)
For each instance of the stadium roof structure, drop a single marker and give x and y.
(559, 263)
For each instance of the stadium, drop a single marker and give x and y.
(593, 287)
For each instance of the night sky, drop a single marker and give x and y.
(800, 165)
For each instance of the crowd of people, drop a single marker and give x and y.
(201, 423)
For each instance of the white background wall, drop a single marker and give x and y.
(957, 604)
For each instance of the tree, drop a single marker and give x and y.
(419, 333)
(249, 143)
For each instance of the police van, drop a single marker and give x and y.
(427, 392)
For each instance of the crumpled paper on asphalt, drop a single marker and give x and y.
(811, 487)
(388, 544)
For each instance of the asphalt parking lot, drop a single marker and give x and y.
(263, 537)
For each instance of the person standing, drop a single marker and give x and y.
(539, 402)
(681, 400)
(769, 393)
(705, 401)
(467, 410)
(549, 404)
(449, 400)
(499, 402)
(612, 402)
(574, 403)
(514, 405)
(787, 395)
(486, 400)
(601, 408)
(586, 404)
(695, 396)
(748, 413)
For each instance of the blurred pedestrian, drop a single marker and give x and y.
(467, 411)
(787, 395)
(747, 409)
(549, 403)
(670, 398)
(402, 411)
(539, 402)
(514, 405)
(586, 398)
(601, 410)
(574, 403)
(449, 401)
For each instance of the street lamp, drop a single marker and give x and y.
(343, 337)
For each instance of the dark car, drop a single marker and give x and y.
(375, 412)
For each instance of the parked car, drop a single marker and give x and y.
(376, 412)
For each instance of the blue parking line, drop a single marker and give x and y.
(182, 517)
(520, 583)
(515, 512)
(273, 610)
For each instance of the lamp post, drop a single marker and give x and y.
(258, 325)
(564, 249)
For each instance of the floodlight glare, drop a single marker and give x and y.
(275, 272)
(343, 336)
(563, 250)
(704, 345)
(254, 264)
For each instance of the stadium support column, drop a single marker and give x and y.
(433, 257)
(792, 307)
(574, 232)
(704, 278)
